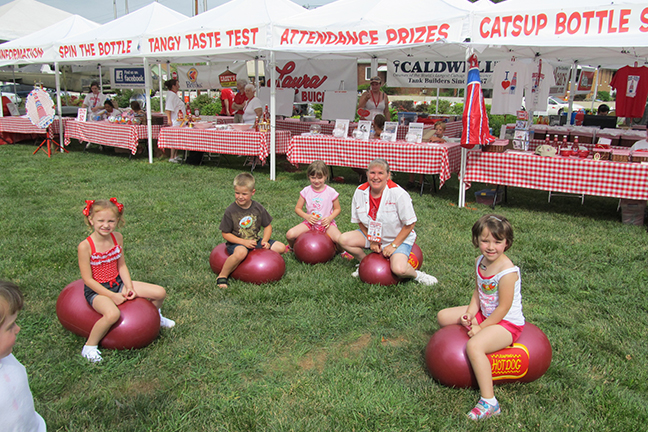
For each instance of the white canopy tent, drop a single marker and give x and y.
(239, 29)
(375, 28)
(39, 46)
(23, 17)
(608, 33)
(119, 41)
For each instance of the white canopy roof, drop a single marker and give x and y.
(39, 47)
(119, 39)
(598, 32)
(22, 17)
(238, 28)
(374, 27)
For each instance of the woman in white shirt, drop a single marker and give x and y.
(173, 106)
(94, 101)
(386, 218)
(252, 110)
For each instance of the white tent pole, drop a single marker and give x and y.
(273, 136)
(598, 72)
(462, 173)
(572, 90)
(437, 100)
(374, 67)
(162, 100)
(57, 80)
(160, 83)
(256, 73)
(149, 127)
(100, 78)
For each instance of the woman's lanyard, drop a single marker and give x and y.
(374, 99)
(95, 99)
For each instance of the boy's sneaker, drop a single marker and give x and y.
(91, 353)
(346, 255)
(424, 278)
(483, 410)
(166, 322)
(356, 273)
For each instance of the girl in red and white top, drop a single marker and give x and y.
(104, 272)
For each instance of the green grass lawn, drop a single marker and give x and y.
(319, 350)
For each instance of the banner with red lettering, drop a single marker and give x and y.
(311, 78)
(433, 73)
(373, 24)
(214, 76)
(557, 23)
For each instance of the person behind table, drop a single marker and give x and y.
(253, 107)
(603, 110)
(241, 224)
(17, 411)
(378, 125)
(175, 110)
(437, 138)
(138, 112)
(110, 110)
(227, 98)
(322, 206)
(385, 208)
(94, 101)
(238, 104)
(374, 100)
(493, 318)
(105, 274)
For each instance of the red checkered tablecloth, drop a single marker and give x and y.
(110, 134)
(243, 143)
(533, 144)
(297, 127)
(559, 174)
(442, 159)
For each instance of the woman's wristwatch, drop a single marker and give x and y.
(394, 246)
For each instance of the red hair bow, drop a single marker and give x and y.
(120, 207)
(86, 210)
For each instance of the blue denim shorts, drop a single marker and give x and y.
(231, 246)
(114, 287)
(404, 248)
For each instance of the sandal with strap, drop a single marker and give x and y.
(222, 281)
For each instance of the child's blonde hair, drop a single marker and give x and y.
(11, 300)
(317, 169)
(245, 180)
(498, 226)
(93, 206)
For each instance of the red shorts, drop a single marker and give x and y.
(515, 330)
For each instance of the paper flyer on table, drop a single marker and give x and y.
(390, 131)
(82, 113)
(364, 130)
(415, 133)
(341, 129)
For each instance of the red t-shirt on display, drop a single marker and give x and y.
(631, 84)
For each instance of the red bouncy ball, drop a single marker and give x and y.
(527, 360)
(313, 247)
(375, 269)
(416, 257)
(259, 266)
(137, 327)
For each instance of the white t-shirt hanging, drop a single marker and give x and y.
(542, 79)
(509, 79)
